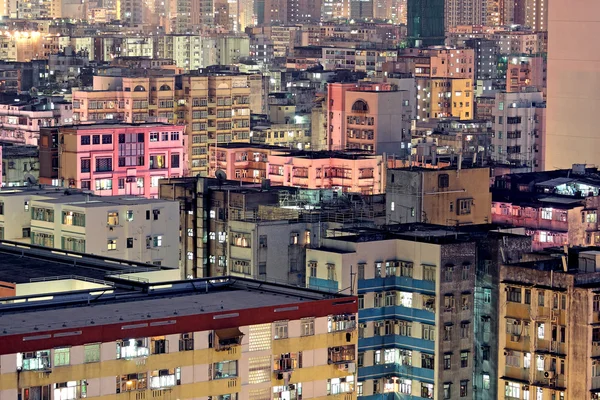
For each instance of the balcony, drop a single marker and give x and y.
(385, 370)
(517, 374)
(396, 283)
(341, 354)
(416, 314)
(395, 341)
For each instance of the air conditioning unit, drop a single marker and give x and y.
(549, 374)
(515, 338)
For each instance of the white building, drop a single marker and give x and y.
(517, 127)
(132, 228)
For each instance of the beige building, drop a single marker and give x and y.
(573, 96)
(214, 107)
(444, 196)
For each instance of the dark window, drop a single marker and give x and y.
(85, 165)
(26, 232)
(121, 183)
(156, 214)
(96, 139)
(85, 139)
(447, 361)
(147, 214)
(443, 180)
(174, 160)
(103, 164)
(85, 184)
(130, 243)
(106, 139)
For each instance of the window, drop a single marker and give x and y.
(340, 385)
(429, 273)
(512, 390)
(527, 296)
(427, 361)
(464, 359)
(307, 326)
(443, 181)
(26, 205)
(223, 369)
(131, 382)
(331, 272)
(541, 330)
(361, 271)
(104, 184)
(447, 361)
(341, 322)
(85, 165)
(465, 271)
(106, 139)
(91, 353)
(464, 206)
(62, 356)
(132, 348)
(111, 244)
(280, 330)
(85, 139)
(448, 332)
(514, 294)
(464, 299)
(130, 243)
(112, 218)
(464, 388)
(104, 164)
(158, 241)
(447, 391)
(448, 273)
(546, 213)
(96, 139)
(465, 329)
(487, 296)
(34, 361)
(73, 218)
(157, 161)
(165, 378)
(541, 299)
(174, 160)
(312, 267)
(428, 332)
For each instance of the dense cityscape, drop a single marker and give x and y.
(299, 200)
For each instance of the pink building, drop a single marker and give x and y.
(350, 172)
(374, 117)
(121, 159)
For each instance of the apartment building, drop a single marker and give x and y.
(121, 159)
(519, 129)
(20, 164)
(427, 306)
(242, 162)
(20, 122)
(248, 340)
(548, 335)
(215, 107)
(508, 41)
(371, 116)
(443, 196)
(345, 171)
(132, 228)
(525, 71)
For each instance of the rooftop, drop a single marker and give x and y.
(112, 125)
(152, 301)
(22, 263)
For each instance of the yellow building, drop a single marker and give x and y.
(549, 327)
(228, 339)
(214, 107)
(444, 196)
(445, 97)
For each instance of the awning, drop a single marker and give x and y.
(228, 334)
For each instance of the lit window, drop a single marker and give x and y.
(112, 244)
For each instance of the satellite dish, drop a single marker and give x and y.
(30, 179)
(220, 175)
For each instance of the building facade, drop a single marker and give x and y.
(447, 196)
(121, 159)
(310, 349)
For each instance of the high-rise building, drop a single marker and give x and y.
(536, 14)
(572, 134)
(549, 334)
(427, 299)
(369, 116)
(361, 9)
(425, 20)
(231, 339)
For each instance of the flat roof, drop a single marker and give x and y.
(118, 125)
(176, 299)
(22, 263)
(90, 201)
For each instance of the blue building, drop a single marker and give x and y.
(427, 306)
